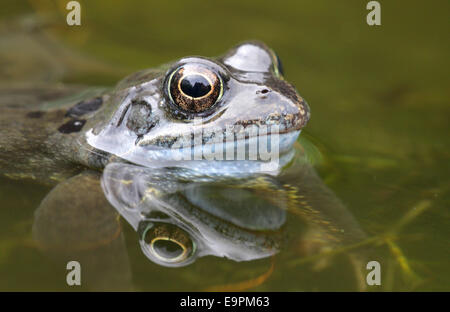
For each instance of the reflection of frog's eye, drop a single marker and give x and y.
(194, 88)
(168, 243)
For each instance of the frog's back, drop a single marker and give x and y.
(26, 129)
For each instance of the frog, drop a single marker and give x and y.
(136, 146)
(151, 111)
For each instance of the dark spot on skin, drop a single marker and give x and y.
(246, 123)
(73, 125)
(166, 142)
(35, 114)
(84, 107)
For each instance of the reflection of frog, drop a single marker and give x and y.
(55, 134)
(180, 219)
(181, 215)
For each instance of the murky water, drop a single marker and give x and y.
(380, 122)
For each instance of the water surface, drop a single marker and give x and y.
(380, 110)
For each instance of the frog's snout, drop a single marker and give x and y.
(296, 109)
(303, 112)
(290, 110)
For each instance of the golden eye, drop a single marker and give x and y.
(168, 243)
(194, 88)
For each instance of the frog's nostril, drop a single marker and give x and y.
(263, 91)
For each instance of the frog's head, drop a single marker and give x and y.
(186, 111)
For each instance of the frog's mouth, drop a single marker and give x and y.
(240, 153)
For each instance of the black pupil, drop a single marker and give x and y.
(167, 249)
(195, 86)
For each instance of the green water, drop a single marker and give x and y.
(380, 110)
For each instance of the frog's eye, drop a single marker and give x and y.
(168, 243)
(194, 88)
